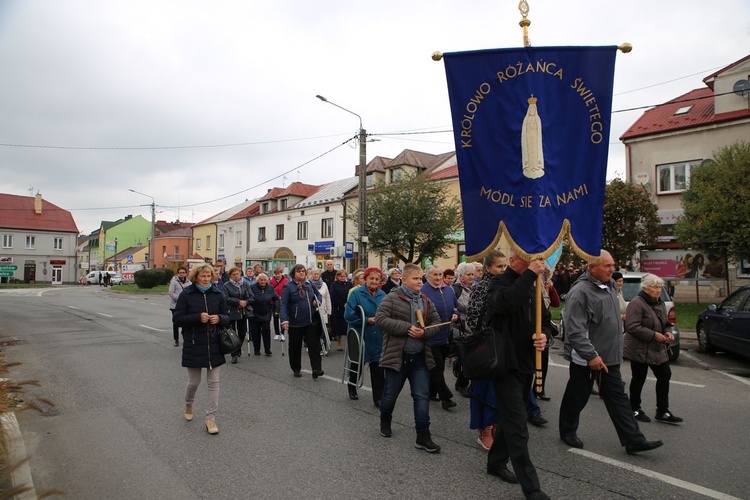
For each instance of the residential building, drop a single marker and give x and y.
(669, 140)
(205, 233)
(232, 236)
(39, 241)
(273, 232)
(173, 247)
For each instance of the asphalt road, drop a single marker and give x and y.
(116, 429)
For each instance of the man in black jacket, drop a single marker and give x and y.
(329, 275)
(511, 310)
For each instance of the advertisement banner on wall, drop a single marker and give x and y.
(683, 264)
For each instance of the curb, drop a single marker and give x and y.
(21, 476)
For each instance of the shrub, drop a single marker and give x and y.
(148, 278)
(168, 273)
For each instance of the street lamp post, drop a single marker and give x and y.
(151, 243)
(362, 212)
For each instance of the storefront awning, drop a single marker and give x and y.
(270, 253)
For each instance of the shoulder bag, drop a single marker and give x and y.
(229, 341)
(484, 354)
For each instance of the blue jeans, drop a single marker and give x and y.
(413, 368)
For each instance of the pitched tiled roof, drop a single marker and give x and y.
(226, 214)
(378, 164)
(662, 118)
(183, 232)
(328, 193)
(445, 173)
(17, 212)
(253, 209)
(294, 189)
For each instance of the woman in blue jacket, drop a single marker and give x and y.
(369, 298)
(300, 319)
(200, 310)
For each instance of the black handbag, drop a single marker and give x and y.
(484, 354)
(229, 341)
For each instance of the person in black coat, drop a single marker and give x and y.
(511, 309)
(339, 294)
(239, 300)
(200, 311)
(393, 281)
(265, 306)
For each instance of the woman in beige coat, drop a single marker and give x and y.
(647, 336)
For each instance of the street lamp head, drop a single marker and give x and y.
(321, 98)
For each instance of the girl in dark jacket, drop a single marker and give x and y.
(200, 310)
(266, 305)
(339, 295)
(239, 298)
(299, 317)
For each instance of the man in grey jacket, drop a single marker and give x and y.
(593, 345)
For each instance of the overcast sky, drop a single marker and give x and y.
(127, 92)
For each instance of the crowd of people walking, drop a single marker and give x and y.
(407, 322)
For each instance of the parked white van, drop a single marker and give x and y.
(92, 278)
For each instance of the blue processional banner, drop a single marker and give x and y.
(531, 127)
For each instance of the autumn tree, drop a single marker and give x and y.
(630, 220)
(412, 219)
(717, 204)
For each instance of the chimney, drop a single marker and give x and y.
(38, 204)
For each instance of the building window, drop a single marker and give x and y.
(177, 252)
(208, 242)
(7, 241)
(58, 242)
(279, 231)
(221, 241)
(302, 230)
(198, 244)
(674, 178)
(683, 110)
(264, 208)
(238, 239)
(397, 174)
(302, 212)
(283, 204)
(30, 242)
(326, 228)
(369, 181)
(261, 234)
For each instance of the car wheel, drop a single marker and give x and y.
(704, 341)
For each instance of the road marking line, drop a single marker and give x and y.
(73, 307)
(648, 378)
(735, 377)
(693, 358)
(696, 488)
(337, 380)
(105, 315)
(152, 328)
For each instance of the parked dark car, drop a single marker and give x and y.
(726, 327)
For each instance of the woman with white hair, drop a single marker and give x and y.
(464, 286)
(647, 337)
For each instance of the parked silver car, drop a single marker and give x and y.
(631, 285)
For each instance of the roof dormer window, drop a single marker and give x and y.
(683, 110)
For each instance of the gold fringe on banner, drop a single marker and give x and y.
(563, 235)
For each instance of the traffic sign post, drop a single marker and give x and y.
(6, 274)
(8, 267)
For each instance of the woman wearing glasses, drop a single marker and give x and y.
(300, 319)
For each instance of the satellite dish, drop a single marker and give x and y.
(741, 88)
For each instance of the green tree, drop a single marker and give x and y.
(717, 204)
(411, 218)
(630, 220)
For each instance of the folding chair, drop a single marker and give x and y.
(354, 358)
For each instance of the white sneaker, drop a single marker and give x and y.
(283, 337)
(276, 337)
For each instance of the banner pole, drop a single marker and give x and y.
(523, 7)
(539, 285)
